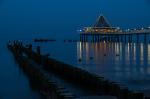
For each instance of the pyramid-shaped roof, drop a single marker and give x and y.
(101, 22)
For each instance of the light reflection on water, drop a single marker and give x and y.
(126, 63)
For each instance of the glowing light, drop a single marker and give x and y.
(149, 27)
(79, 30)
(96, 30)
(118, 28)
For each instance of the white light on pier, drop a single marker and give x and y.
(79, 30)
(149, 27)
(142, 28)
(118, 28)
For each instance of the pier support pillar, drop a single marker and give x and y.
(129, 38)
(109, 38)
(137, 38)
(125, 38)
(145, 39)
(80, 37)
(86, 38)
(95, 38)
(121, 39)
(117, 37)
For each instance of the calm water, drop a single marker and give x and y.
(128, 64)
(28, 19)
(13, 83)
(125, 63)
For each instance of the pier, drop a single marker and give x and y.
(40, 67)
(102, 31)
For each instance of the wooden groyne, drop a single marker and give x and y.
(47, 87)
(74, 75)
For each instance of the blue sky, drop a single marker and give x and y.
(61, 18)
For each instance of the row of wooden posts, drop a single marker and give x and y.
(114, 37)
(72, 74)
(38, 77)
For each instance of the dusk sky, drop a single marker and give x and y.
(63, 17)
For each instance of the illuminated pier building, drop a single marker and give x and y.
(103, 31)
(101, 26)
